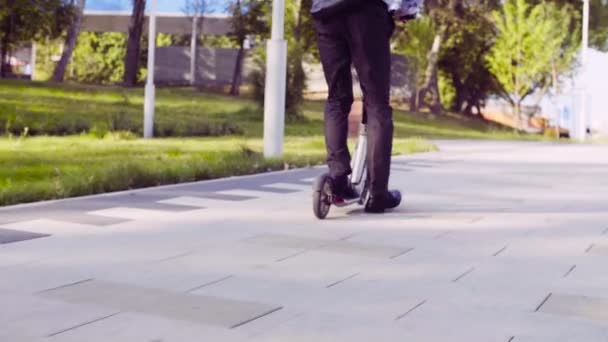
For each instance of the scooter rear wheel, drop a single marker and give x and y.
(321, 196)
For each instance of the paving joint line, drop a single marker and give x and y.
(543, 302)
(83, 324)
(176, 256)
(293, 255)
(318, 247)
(347, 237)
(569, 271)
(342, 280)
(402, 253)
(256, 317)
(500, 250)
(213, 282)
(467, 272)
(410, 310)
(67, 285)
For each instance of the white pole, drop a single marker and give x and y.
(276, 74)
(150, 90)
(193, 49)
(583, 113)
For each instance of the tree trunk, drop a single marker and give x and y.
(5, 68)
(518, 118)
(478, 107)
(413, 99)
(238, 67)
(435, 105)
(70, 42)
(133, 43)
(431, 82)
(297, 30)
(461, 94)
(558, 91)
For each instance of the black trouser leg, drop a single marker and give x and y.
(370, 29)
(336, 60)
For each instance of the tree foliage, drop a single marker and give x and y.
(25, 20)
(415, 40)
(70, 42)
(598, 19)
(531, 40)
(300, 43)
(99, 58)
(247, 22)
(462, 61)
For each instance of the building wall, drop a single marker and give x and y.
(216, 67)
(565, 108)
(170, 24)
(213, 66)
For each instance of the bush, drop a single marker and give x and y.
(446, 90)
(199, 128)
(99, 130)
(551, 133)
(99, 57)
(120, 136)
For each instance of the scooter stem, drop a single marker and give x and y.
(359, 160)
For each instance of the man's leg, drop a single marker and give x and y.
(336, 61)
(370, 28)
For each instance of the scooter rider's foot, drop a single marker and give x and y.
(377, 204)
(343, 189)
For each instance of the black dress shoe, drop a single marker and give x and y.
(343, 189)
(379, 203)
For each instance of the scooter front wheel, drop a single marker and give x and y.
(321, 196)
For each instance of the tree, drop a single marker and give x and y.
(134, 43)
(529, 44)
(304, 30)
(99, 58)
(70, 42)
(197, 9)
(24, 20)
(297, 41)
(247, 20)
(462, 61)
(598, 19)
(445, 14)
(414, 40)
(295, 77)
(598, 23)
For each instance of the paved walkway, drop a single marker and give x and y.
(496, 242)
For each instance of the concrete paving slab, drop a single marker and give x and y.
(10, 236)
(187, 307)
(577, 306)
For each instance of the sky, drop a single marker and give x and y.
(163, 6)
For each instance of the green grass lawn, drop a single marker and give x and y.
(57, 141)
(72, 109)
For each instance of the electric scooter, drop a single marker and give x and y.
(323, 198)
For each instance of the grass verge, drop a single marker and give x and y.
(42, 168)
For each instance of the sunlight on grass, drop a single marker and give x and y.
(94, 147)
(40, 168)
